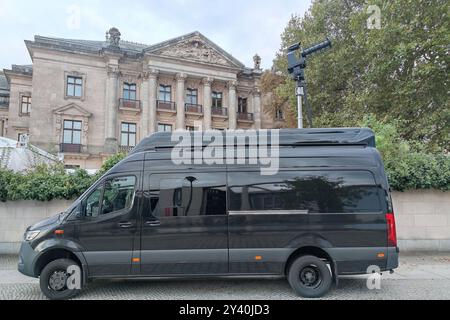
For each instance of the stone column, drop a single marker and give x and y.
(112, 102)
(232, 105)
(152, 97)
(181, 79)
(257, 108)
(207, 103)
(145, 106)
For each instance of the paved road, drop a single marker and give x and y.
(418, 277)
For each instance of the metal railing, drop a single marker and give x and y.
(70, 147)
(129, 104)
(219, 111)
(126, 149)
(193, 108)
(166, 105)
(245, 116)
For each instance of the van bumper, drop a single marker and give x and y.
(27, 259)
(362, 260)
(392, 258)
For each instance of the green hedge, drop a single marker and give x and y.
(407, 165)
(407, 168)
(45, 183)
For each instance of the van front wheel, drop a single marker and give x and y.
(54, 279)
(310, 277)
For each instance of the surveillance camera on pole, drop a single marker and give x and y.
(296, 67)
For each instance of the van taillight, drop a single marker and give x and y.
(392, 234)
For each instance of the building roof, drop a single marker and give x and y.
(131, 49)
(4, 85)
(85, 45)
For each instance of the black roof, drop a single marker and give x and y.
(287, 137)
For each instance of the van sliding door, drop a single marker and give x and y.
(184, 224)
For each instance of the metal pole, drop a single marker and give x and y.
(300, 106)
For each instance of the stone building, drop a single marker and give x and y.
(89, 99)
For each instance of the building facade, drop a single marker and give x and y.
(87, 99)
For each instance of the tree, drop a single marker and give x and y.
(397, 72)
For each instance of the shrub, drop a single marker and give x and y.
(407, 165)
(45, 183)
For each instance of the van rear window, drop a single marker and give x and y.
(312, 191)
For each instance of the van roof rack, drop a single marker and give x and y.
(287, 137)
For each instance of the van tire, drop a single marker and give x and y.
(310, 277)
(54, 271)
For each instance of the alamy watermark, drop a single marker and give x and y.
(74, 277)
(374, 19)
(240, 147)
(374, 280)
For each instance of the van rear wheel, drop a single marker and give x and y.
(53, 280)
(310, 277)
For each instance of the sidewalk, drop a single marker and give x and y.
(419, 276)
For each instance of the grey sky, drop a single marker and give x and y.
(242, 28)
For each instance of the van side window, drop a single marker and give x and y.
(93, 203)
(118, 194)
(113, 195)
(182, 195)
(313, 191)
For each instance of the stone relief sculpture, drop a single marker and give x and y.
(194, 49)
(257, 61)
(114, 37)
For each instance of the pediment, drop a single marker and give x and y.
(72, 109)
(195, 47)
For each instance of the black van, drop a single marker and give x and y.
(325, 212)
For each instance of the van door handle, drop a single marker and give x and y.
(153, 223)
(125, 224)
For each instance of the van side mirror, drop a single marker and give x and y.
(78, 212)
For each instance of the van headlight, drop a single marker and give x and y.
(30, 235)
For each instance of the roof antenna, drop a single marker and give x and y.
(296, 67)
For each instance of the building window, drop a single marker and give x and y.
(192, 96)
(164, 127)
(2, 127)
(22, 137)
(71, 166)
(279, 114)
(165, 93)
(129, 91)
(217, 99)
(242, 105)
(192, 128)
(4, 100)
(25, 105)
(128, 134)
(72, 132)
(74, 86)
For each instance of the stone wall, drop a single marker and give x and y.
(16, 216)
(422, 216)
(423, 220)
